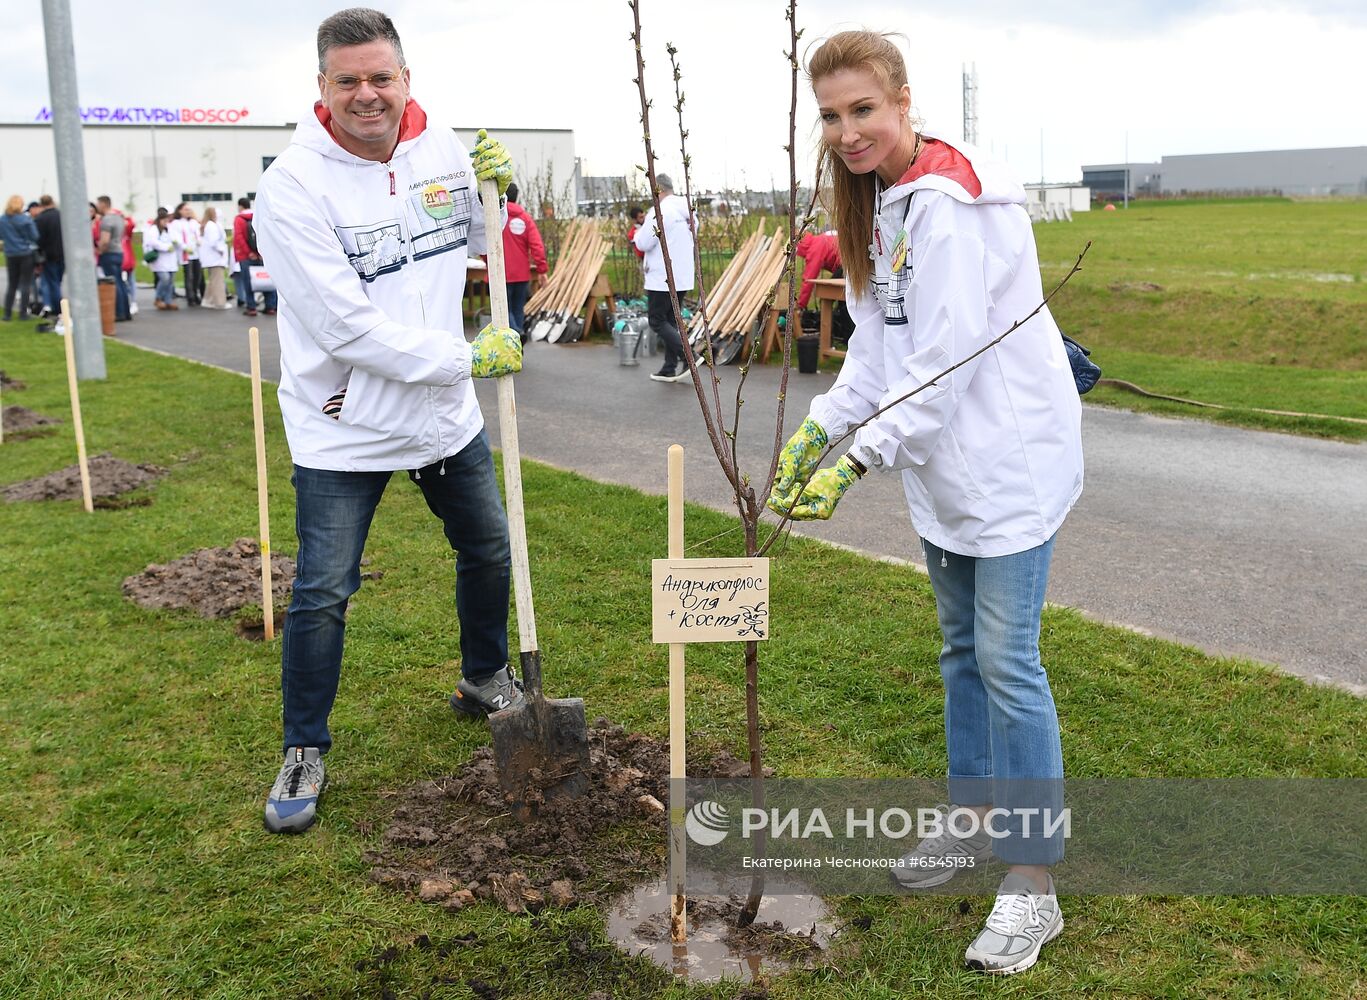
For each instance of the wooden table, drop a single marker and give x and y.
(826, 292)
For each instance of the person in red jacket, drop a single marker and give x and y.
(821, 253)
(523, 253)
(638, 216)
(244, 252)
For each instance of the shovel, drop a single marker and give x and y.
(541, 747)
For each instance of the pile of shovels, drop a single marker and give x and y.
(735, 303)
(555, 311)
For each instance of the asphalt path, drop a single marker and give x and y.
(1233, 541)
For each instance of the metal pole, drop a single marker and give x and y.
(71, 190)
(1127, 168)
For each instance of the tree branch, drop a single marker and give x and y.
(713, 432)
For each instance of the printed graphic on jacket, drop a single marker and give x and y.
(437, 218)
(374, 249)
(892, 293)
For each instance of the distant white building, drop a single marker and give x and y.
(146, 165)
(1056, 201)
(1339, 170)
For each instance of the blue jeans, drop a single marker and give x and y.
(130, 279)
(166, 286)
(517, 304)
(52, 284)
(111, 265)
(333, 511)
(244, 282)
(1000, 724)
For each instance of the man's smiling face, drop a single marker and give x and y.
(365, 88)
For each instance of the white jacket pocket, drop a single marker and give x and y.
(375, 403)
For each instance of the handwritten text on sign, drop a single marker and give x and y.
(710, 600)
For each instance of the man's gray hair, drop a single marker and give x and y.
(664, 182)
(356, 26)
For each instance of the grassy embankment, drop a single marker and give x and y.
(1245, 303)
(136, 747)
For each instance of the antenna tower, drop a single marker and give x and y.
(971, 104)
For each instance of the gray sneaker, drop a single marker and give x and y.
(494, 693)
(936, 860)
(1021, 923)
(293, 803)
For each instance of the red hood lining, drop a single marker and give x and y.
(943, 160)
(411, 125)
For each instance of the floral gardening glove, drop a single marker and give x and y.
(492, 162)
(796, 462)
(823, 492)
(496, 352)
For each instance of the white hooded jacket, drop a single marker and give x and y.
(679, 235)
(369, 260)
(991, 455)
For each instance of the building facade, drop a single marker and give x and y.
(1340, 170)
(144, 166)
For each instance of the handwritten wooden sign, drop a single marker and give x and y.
(710, 600)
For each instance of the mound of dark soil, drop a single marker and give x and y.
(214, 583)
(453, 840)
(109, 477)
(10, 383)
(20, 422)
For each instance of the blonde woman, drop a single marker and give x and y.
(19, 234)
(939, 260)
(213, 256)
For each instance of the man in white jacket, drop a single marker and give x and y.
(365, 222)
(678, 232)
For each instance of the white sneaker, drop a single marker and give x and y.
(132, 308)
(1021, 923)
(936, 860)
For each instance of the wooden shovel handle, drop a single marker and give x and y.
(507, 425)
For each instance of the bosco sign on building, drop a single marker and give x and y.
(153, 116)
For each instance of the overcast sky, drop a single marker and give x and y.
(1178, 77)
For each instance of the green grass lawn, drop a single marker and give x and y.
(1245, 303)
(136, 747)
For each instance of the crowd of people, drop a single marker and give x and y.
(189, 253)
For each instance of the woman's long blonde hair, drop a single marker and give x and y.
(15, 205)
(210, 215)
(847, 196)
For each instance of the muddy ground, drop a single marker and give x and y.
(214, 583)
(21, 422)
(10, 383)
(109, 477)
(453, 840)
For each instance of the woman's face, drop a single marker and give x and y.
(865, 124)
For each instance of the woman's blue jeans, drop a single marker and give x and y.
(333, 511)
(166, 287)
(1000, 724)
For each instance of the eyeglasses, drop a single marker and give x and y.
(382, 80)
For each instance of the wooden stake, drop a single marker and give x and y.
(70, 338)
(678, 922)
(263, 512)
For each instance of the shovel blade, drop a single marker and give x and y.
(541, 748)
